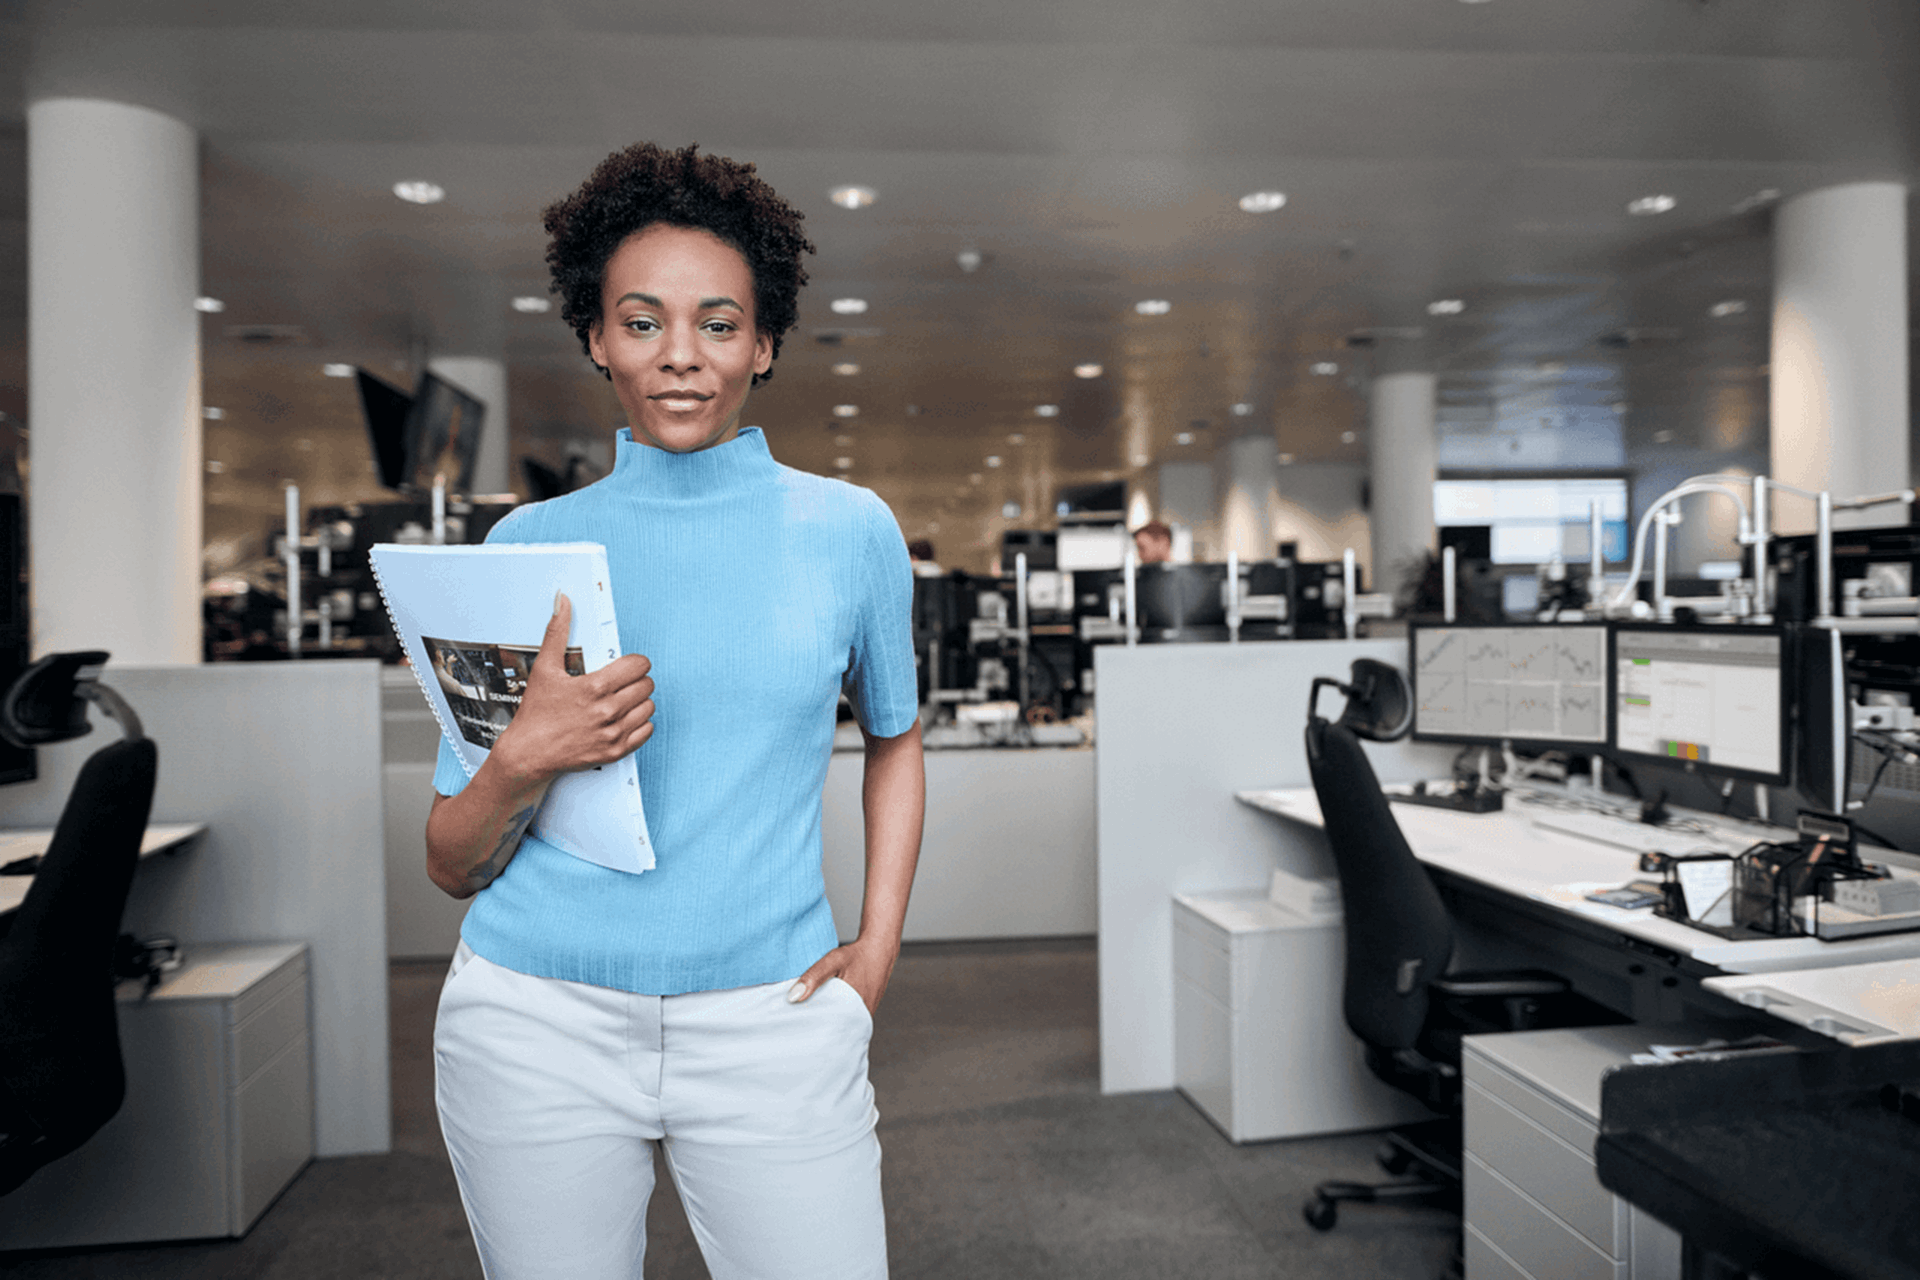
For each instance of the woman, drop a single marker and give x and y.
(702, 1005)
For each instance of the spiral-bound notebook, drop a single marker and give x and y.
(471, 620)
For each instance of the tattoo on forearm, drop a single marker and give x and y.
(483, 875)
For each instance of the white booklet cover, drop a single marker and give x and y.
(471, 619)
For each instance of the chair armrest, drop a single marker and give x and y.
(1519, 983)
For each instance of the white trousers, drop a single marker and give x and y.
(552, 1094)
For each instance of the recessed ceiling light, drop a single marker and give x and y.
(1285, 459)
(975, 478)
(212, 414)
(993, 460)
(1646, 206)
(1183, 437)
(848, 306)
(420, 192)
(846, 411)
(1242, 409)
(1141, 459)
(851, 197)
(215, 466)
(843, 463)
(1731, 307)
(1153, 306)
(1446, 307)
(843, 441)
(846, 368)
(1663, 436)
(1263, 201)
(933, 526)
(532, 304)
(1347, 437)
(1088, 370)
(212, 306)
(1046, 411)
(969, 260)
(1325, 368)
(1011, 510)
(1016, 438)
(337, 370)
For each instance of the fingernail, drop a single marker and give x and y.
(796, 993)
(558, 596)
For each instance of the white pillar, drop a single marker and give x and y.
(486, 381)
(1839, 363)
(1403, 456)
(1249, 482)
(113, 381)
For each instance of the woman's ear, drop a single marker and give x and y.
(595, 346)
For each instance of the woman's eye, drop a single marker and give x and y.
(718, 326)
(642, 324)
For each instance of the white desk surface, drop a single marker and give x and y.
(1855, 1003)
(161, 837)
(1505, 851)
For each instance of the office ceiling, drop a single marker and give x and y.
(1091, 152)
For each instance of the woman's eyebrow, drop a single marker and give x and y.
(706, 304)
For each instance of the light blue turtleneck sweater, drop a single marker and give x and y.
(754, 589)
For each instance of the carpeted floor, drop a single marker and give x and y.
(1003, 1161)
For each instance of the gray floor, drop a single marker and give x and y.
(1002, 1160)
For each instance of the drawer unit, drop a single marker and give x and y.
(218, 1116)
(1260, 1045)
(1534, 1207)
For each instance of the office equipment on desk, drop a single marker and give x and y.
(1542, 685)
(1534, 1206)
(1782, 1164)
(218, 1116)
(1708, 698)
(1463, 796)
(1399, 997)
(61, 1076)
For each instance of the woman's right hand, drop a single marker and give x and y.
(564, 723)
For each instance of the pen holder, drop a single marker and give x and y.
(1765, 883)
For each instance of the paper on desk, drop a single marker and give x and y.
(1707, 888)
(471, 619)
(1710, 1050)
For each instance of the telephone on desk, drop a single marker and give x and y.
(1464, 797)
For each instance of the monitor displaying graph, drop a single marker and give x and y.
(1544, 683)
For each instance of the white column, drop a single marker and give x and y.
(113, 381)
(1249, 483)
(1839, 363)
(1403, 456)
(486, 381)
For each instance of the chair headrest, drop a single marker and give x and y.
(1379, 705)
(48, 703)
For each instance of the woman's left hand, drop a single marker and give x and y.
(865, 966)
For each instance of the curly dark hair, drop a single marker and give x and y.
(643, 185)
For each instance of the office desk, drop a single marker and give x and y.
(1854, 1004)
(1517, 893)
(161, 837)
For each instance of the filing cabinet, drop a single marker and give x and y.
(218, 1116)
(1534, 1207)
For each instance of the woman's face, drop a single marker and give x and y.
(677, 331)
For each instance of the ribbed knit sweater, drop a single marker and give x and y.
(754, 589)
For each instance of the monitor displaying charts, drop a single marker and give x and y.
(1710, 697)
(1545, 684)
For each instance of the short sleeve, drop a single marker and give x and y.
(886, 687)
(449, 775)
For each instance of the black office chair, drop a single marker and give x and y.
(61, 1077)
(1400, 999)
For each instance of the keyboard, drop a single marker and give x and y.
(1636, 837)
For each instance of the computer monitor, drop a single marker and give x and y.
(1823, 732)
(1173, 599)
(386, 411)
(1541, 685)
(443, 435)
(1705, 697)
